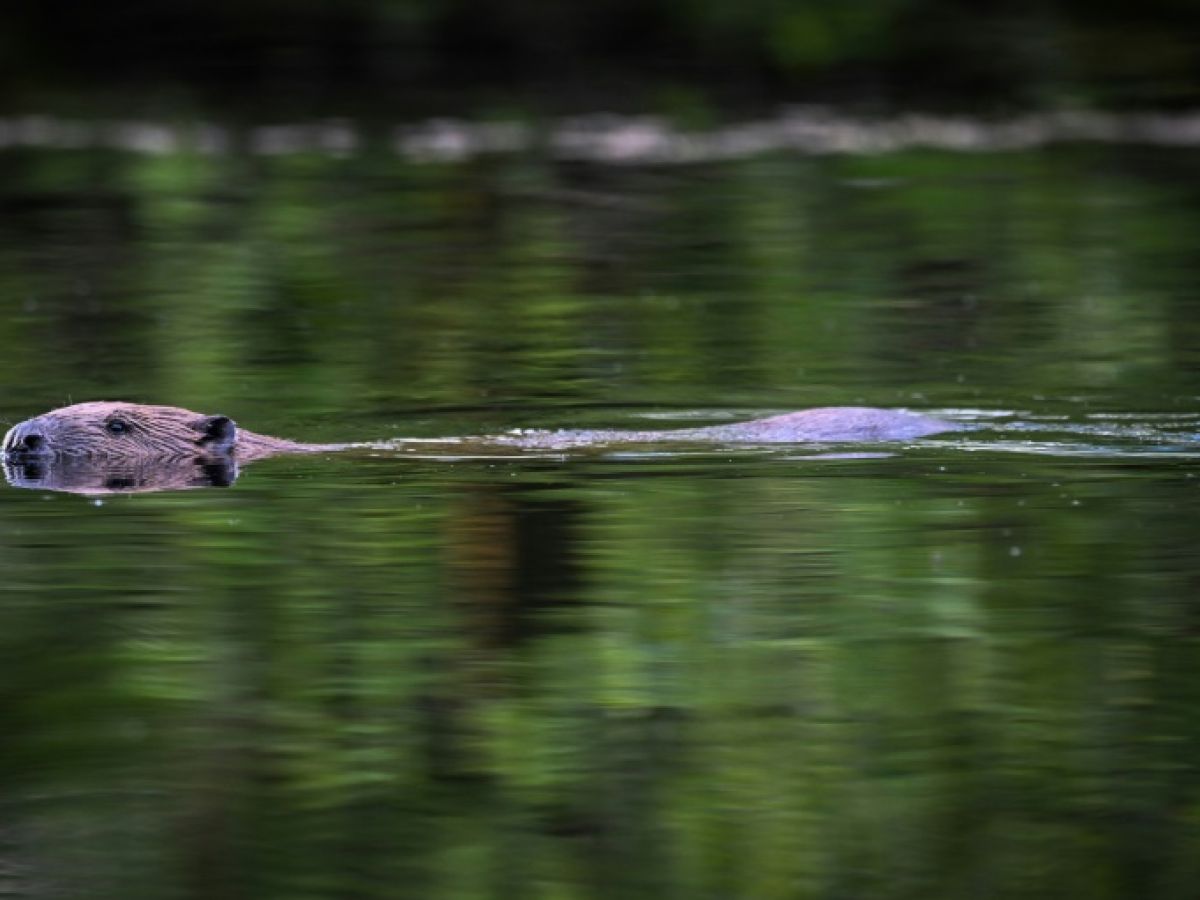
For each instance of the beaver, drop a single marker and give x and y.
(137, 433)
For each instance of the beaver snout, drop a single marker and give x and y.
(24, 439)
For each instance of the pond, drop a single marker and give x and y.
(964, 665)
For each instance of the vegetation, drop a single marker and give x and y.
(438, 56)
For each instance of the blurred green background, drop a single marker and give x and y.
(686, 57)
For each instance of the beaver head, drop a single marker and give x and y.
(122, 430)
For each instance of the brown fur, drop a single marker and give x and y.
(109, 430)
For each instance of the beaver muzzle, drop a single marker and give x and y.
(24, 441)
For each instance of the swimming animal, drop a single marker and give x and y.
(140, 431)
(114, 447)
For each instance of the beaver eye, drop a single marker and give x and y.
(117, 426)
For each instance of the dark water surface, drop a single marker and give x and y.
(961, 667)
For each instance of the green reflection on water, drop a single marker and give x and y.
(942, 673)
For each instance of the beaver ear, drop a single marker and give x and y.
(219, 432)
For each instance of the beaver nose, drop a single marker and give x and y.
(21, 439)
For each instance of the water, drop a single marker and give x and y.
(960, 666)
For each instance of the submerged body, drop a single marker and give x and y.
(832, 424)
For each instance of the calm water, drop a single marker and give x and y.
(965, 667)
